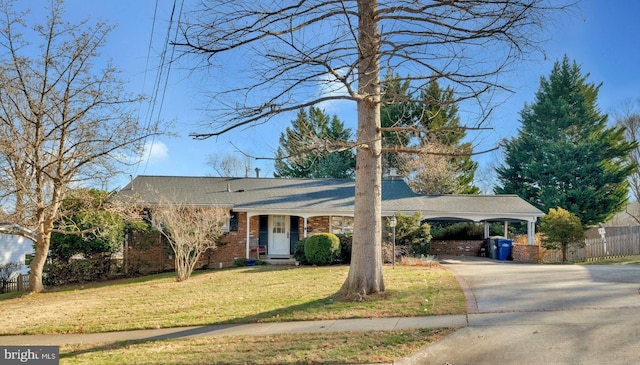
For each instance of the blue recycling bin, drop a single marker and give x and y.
(504, 249)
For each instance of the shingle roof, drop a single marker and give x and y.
(316, 196)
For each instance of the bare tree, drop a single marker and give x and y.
(190, 231)
(7, 272)
(430, 172)
(629, 118)
(294, 55)
(229, 165)
(64, 120)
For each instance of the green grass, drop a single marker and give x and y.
(324, 348)
(627, 260)
(239, 295)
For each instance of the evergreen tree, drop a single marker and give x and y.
(445, 166)
(438, 113)
(396, 110)
(565, 155)
(315, 147)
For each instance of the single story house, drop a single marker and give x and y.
(270, 214)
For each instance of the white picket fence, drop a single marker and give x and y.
(618, 242)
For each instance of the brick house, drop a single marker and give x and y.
(270, 215)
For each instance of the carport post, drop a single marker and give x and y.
(531, 233)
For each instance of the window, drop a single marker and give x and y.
(231, 224)
(342, 225)
(233, 221)
(279, 224)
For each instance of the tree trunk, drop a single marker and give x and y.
(365, 273)
(39, 259)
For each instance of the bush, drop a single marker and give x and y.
(322, 248)
(413, 236)
(78, 271)
(298, 252)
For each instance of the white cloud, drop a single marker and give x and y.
(155, 152)
(330, 86)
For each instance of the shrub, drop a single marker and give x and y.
(322, 248)
(413, 236)
(298, 252)
(457, 231)
(95, 268)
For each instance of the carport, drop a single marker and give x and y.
(472, 208)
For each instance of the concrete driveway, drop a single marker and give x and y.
(543, 314)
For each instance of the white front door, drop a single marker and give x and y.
(278, 236)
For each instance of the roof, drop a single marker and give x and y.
(626, 217)
(308, 197)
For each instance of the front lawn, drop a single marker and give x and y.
(238, 295)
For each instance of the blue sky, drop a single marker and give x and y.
(602, 36)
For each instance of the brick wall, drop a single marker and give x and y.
(317, 225)
(233, 244)
(148, 253)
(526, 253)
(456, 248)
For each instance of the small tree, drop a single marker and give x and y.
(560, 229)
(190, 231)
(7, 271)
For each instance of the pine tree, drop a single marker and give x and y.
(314, 147)
(396, 110)
(565, 155)
(445, 166)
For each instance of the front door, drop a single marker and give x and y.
(279, 236)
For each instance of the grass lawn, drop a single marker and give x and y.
(627, 260)
(238, 295)
(302, 348)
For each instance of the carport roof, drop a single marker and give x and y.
(309, 197)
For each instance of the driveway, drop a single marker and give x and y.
(543, 314)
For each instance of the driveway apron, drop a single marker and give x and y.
(543, 314)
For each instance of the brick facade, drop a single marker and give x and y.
(317, 225)
(149, 253)
(526, 253)
(456, 248)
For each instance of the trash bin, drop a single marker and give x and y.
(504, 249)
(493, 247)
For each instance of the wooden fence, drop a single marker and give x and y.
(617, 242)
(19, 283)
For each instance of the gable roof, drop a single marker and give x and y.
(308, 197)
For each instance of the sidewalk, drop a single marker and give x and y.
(374, 324)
